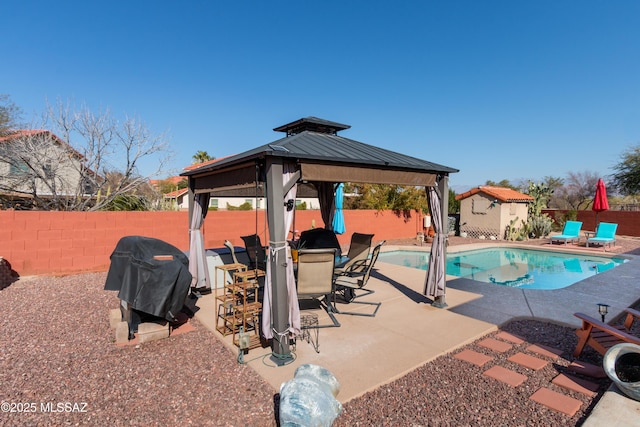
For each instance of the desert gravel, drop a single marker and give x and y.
(57, 351)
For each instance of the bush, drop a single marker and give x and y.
(246, 206)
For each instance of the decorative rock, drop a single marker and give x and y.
(309, 398)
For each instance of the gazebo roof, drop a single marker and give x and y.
(325, 156)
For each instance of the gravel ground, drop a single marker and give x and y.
(58, 352)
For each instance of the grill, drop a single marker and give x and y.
(152, 279)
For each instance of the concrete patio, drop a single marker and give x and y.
(365, 353)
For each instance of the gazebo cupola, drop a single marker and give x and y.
(312, 124)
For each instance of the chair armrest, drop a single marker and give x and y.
(589, 322)
(631, 316)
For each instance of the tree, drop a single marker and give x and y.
(578, 191)
(9, 115)
(202, 156)
(385, 197)
(454, 205)
(627, 178)
(504, 183)
(84, 162)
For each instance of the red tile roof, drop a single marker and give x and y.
(175, 194)
(175, 180)
(19, 133)
(500, 193)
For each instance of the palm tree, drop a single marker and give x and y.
(202, 156)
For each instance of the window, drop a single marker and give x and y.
(213, 203)
(18, 168)
(479, 206)
(513, 208)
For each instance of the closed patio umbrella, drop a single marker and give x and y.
(338, 216)
(600, 201)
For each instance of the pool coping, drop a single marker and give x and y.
(618, 287)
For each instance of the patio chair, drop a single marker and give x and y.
(358, 253)
(605, 235)
(571, 232)
(315, 279)
(354, 280)
(256, 252)
(318, 238)
(602, 336)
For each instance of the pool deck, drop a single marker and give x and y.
(365, 352)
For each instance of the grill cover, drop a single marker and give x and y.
(154, 286)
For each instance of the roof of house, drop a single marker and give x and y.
(172, 179)
(23, 133)
(175, 194)
(500, 193)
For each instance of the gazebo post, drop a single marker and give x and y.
(280, 350)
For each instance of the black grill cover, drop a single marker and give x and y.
(154, 286)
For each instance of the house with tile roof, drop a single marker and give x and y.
(178, 199)
(38, 165)
(486, 211)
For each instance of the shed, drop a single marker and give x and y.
(309, 161)
(486, 211)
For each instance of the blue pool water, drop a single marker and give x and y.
(514, 267)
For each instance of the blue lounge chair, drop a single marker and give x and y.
(571, 232)
(605, 235)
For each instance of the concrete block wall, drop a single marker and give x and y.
(48, 242)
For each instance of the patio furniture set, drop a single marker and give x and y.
(321, 273)
(604, 235)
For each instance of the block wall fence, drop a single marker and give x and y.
(59, 243)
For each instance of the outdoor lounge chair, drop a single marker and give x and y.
(358, 253)
(605, 235)
(315, 279)
(571, 232)
(355, 279)
(602, 336)
(255, 251)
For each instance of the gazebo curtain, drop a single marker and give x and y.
(197, 256)
(435, 281)
(282, 251)
(326, 197)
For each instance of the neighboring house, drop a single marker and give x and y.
(180, 199)
(485, 212)
(38, 168)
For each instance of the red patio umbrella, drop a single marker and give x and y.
(600, 202)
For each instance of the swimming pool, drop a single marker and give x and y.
(513, 267)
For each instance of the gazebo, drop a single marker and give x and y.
(309, 162)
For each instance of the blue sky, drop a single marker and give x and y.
(498, 89)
